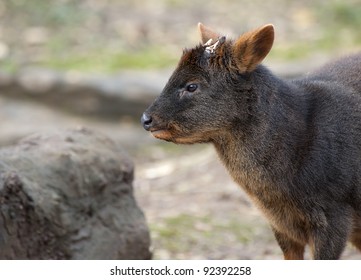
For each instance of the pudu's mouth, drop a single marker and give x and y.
(163, 134)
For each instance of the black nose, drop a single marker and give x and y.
(146, 121)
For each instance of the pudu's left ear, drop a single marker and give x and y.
(252, 47)
(207, 34)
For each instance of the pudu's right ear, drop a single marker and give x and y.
(207, 34)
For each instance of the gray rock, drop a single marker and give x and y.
(6, 79)
(38, 81)
(111, 97)
(69, 195)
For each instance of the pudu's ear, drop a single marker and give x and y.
(252, 47)
(207, 34)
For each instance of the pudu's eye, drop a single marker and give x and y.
(191, 87)
(188, 90)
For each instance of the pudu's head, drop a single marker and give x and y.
(211, 88)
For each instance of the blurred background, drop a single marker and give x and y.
(106, 36)
(100, 63)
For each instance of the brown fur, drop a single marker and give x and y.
(252, 47)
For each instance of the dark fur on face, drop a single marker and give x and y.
(179, 114)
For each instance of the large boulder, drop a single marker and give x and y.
(69, 196)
